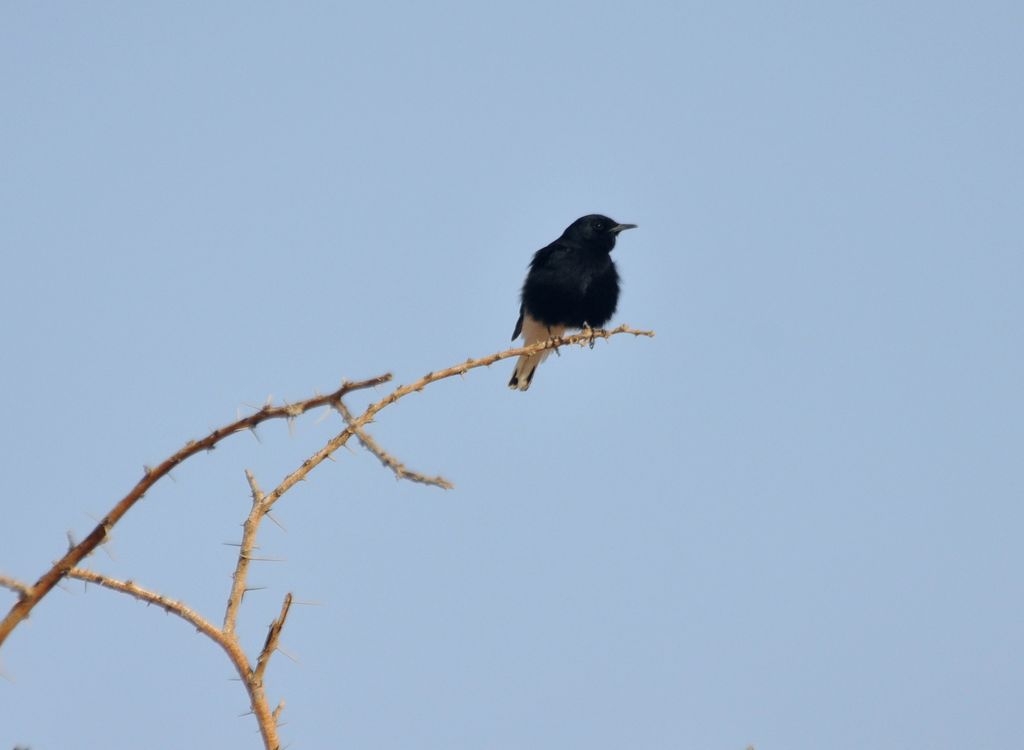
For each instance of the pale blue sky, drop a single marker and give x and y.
(792, 520)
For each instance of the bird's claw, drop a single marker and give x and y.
(589, 333)
(554, 348)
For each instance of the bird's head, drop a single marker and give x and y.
(595, 231)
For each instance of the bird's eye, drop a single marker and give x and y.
(599, 226)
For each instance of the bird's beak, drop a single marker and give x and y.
(622, 228)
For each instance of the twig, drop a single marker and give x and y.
(273, 636)
(179, 609)
(19, 588)
(386, 458)
(80, 551)
(432, 377)
(249, 529)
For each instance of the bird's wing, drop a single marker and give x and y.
(545, 264)
(543, 260)
(519, 325)
(549, 256)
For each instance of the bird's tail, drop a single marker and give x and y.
(526, 366)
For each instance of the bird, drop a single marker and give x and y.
(572, 283)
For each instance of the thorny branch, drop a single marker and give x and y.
(225, 637)
(386, 458)
(400, 392)
(177, 608)
(249, 529)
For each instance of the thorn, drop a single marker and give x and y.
(290, 656)
(278, 523)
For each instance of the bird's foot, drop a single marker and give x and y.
(552, 337)
(589, 333)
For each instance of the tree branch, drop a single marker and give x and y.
(225, 637)
(179, 609)
(249, 529)
(587, 337)
(386, 458)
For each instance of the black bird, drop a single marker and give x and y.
(572, 283)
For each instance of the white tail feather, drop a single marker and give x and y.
(526, 365)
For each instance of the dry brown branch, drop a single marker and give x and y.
(225, 637)
(386, 458)
(249, 529)
(373, 409)
(587, 337)
(80, 551)
(177, 608)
